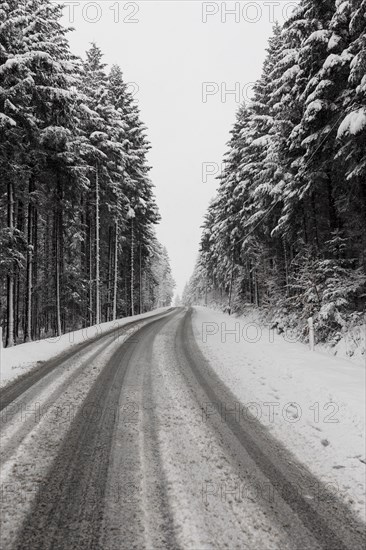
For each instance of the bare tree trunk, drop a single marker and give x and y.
(248, 268)
(84, 254)
(146, 291)
(132, 268)
(48, 268)
(10, 277)
(90, 263)
(140, 280)
(97, 263)
(256, 289)
(35, 302)
(17, 290)
(126, 311)
(28, 310)
(109, 274)
(231, 284)
(16, 306)
(58, 230)
(206, 283)
(115, 274)
(58, 298)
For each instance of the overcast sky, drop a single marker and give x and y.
(182, 59)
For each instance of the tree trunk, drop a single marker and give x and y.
(132, 268)
(126, 309)
(58, 298)
(58, 229)
(256, 289)
(28, 307)
(250, 290)
(84, 256)
(115, 274)
(16, 306)
(231, 284)
(10, 277)
(17, 290)
(140, 281)
(90, 263)
(146, 289)
(109, 274)
(286, 267)
(35, 302)
(97, 246)
(48, 269)
(206, 284)
(314, 220)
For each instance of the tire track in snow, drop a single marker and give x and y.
(25, 472)
(328, 521)
(14, 389)
(68, 510)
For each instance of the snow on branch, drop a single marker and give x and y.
(353, 124)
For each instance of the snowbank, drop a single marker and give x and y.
(314, 403)
(19, 359)
(351, 345)
(347, 343)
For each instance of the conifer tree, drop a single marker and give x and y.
(286, 231)
(71, 154)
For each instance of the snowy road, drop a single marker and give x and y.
(139, 444)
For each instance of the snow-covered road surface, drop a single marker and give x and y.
(139, 444)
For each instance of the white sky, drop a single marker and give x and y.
(169, 52)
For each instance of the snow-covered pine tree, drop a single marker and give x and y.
(349, 33)
(292, 195)
(136, 231)
(36, 52)
(53, 129)
(106, 159)
(161, 270)
(13, 93)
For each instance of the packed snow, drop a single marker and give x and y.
(17, 360)
(312, 402)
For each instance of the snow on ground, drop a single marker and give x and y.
(34, 427)
(195, 466)
(19, 359)
(310, 401)
(352, 345)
